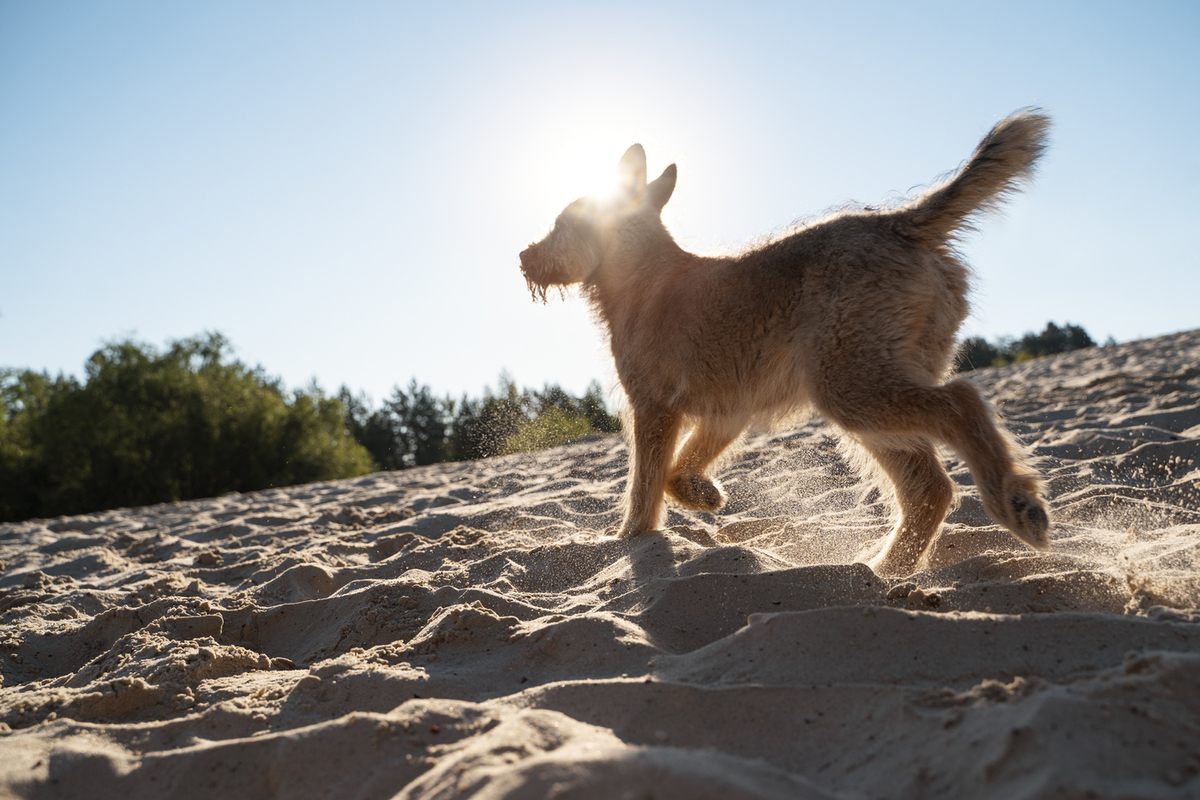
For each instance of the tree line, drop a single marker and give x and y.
(413, 427)
(977, 352)
(147, 426)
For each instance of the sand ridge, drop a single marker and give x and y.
(470, 630)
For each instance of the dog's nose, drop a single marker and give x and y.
(525, 253)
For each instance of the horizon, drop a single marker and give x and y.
(325, 185)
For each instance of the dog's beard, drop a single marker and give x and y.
(542, 276)
(536, 290)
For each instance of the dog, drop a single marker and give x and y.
(854, 315)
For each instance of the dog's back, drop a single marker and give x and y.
(892, 275)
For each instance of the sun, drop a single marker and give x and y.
(577, 155)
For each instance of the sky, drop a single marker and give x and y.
(342, 188)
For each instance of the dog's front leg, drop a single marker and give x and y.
(689, 482)
(655, 431)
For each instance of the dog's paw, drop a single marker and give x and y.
(899, 558)
(631, 528)
(889, 566)
(1017, 504)
(1031, 520)
(696, 492)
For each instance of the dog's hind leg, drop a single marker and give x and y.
(957, 415)
(924, 493)
(688, 483)
(655, 432)
(1010, 488)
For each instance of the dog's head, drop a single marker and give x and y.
(584, 232)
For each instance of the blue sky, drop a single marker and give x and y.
(343, 188)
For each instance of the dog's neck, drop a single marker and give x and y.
(633, 270)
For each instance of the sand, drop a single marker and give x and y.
(471, 630)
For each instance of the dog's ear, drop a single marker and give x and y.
(631, 171)
(660, 189)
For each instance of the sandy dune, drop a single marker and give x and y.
(469, 630)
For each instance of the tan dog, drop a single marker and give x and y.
(854, 315)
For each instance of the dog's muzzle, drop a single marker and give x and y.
(529, 271)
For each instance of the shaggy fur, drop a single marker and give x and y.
(853, 316)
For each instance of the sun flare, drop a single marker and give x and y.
(578, 157)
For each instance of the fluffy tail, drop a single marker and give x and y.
(1003, 159)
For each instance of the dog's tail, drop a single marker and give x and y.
(1003, 160)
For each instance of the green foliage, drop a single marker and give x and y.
(482, 427)
(150, 427)
(414, 427)
(976, 352)
(539, 420)
(1052, 340)
(552, 428)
